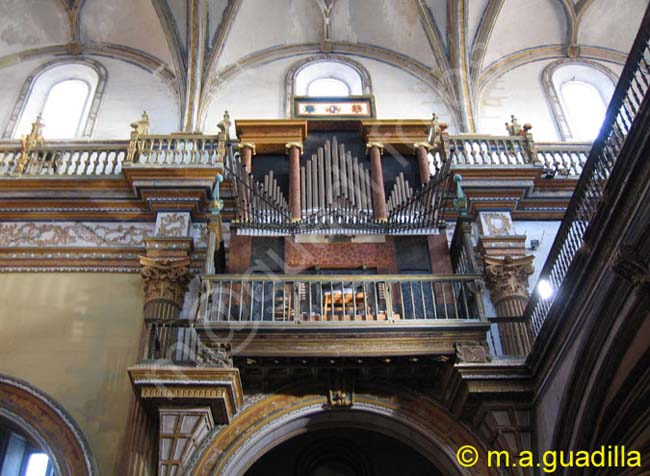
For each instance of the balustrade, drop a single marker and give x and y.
(327, 299)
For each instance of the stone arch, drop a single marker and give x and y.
(413, 419)
(45, 420)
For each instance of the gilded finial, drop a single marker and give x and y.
(224, 126)
(141, 127)
(460, 202)
(35, 136)
(514, 128)
(27, 144)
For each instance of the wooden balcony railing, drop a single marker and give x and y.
(343, 299)
(176, 150)
(483, 150)
(622, 113)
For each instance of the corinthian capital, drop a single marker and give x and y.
(507, 278)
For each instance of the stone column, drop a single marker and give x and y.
(247, 153)
(422, 151)
(166, 273)
(375, 150)
(507, 281)
(294, 149)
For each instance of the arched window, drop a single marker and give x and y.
(585, 109)
(328, 76)
(67, 95)
(64, 108)
(578, 93)
(328, 87)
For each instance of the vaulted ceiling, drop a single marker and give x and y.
(456, 46)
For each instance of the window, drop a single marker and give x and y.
(67, 95)
(328, 78)
(64, 108)
(578, 93)
(328, 87)
(585, 109)
(37, 465)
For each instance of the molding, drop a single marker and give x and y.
(482, 38)
(432, 32)
(412, 418)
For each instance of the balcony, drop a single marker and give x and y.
(333, 315)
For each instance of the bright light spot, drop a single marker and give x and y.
(585, 108)
(64, 108)
(328, 87)
(37, 465)
(544, 289)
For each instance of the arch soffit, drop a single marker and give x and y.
(45, 420)
(416, 420)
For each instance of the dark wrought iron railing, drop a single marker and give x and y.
(621, 114)
(343, 299)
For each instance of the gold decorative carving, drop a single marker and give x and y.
(341, 391)
(28, 143)
(379, 146)
(250, 145)
(290, 145)
(165, 283)
(507, 277)
(139, 128)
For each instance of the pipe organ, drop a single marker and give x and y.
(335, 188)
(335, 196)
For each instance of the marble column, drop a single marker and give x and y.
(375, 149)
(294, 149)
(422, 152)
(247, 153)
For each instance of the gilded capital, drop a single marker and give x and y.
(290, 145)
(507, 278)
(165, 282)
(378, 145)
(250, 145)
(425, 145)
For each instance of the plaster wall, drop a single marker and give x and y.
(73, 335)
(259, 92)
(130, 90)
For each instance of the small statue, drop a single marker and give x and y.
(224, 126)
(27, 144)
(34, 138)
(141, 127)
(516, 129)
